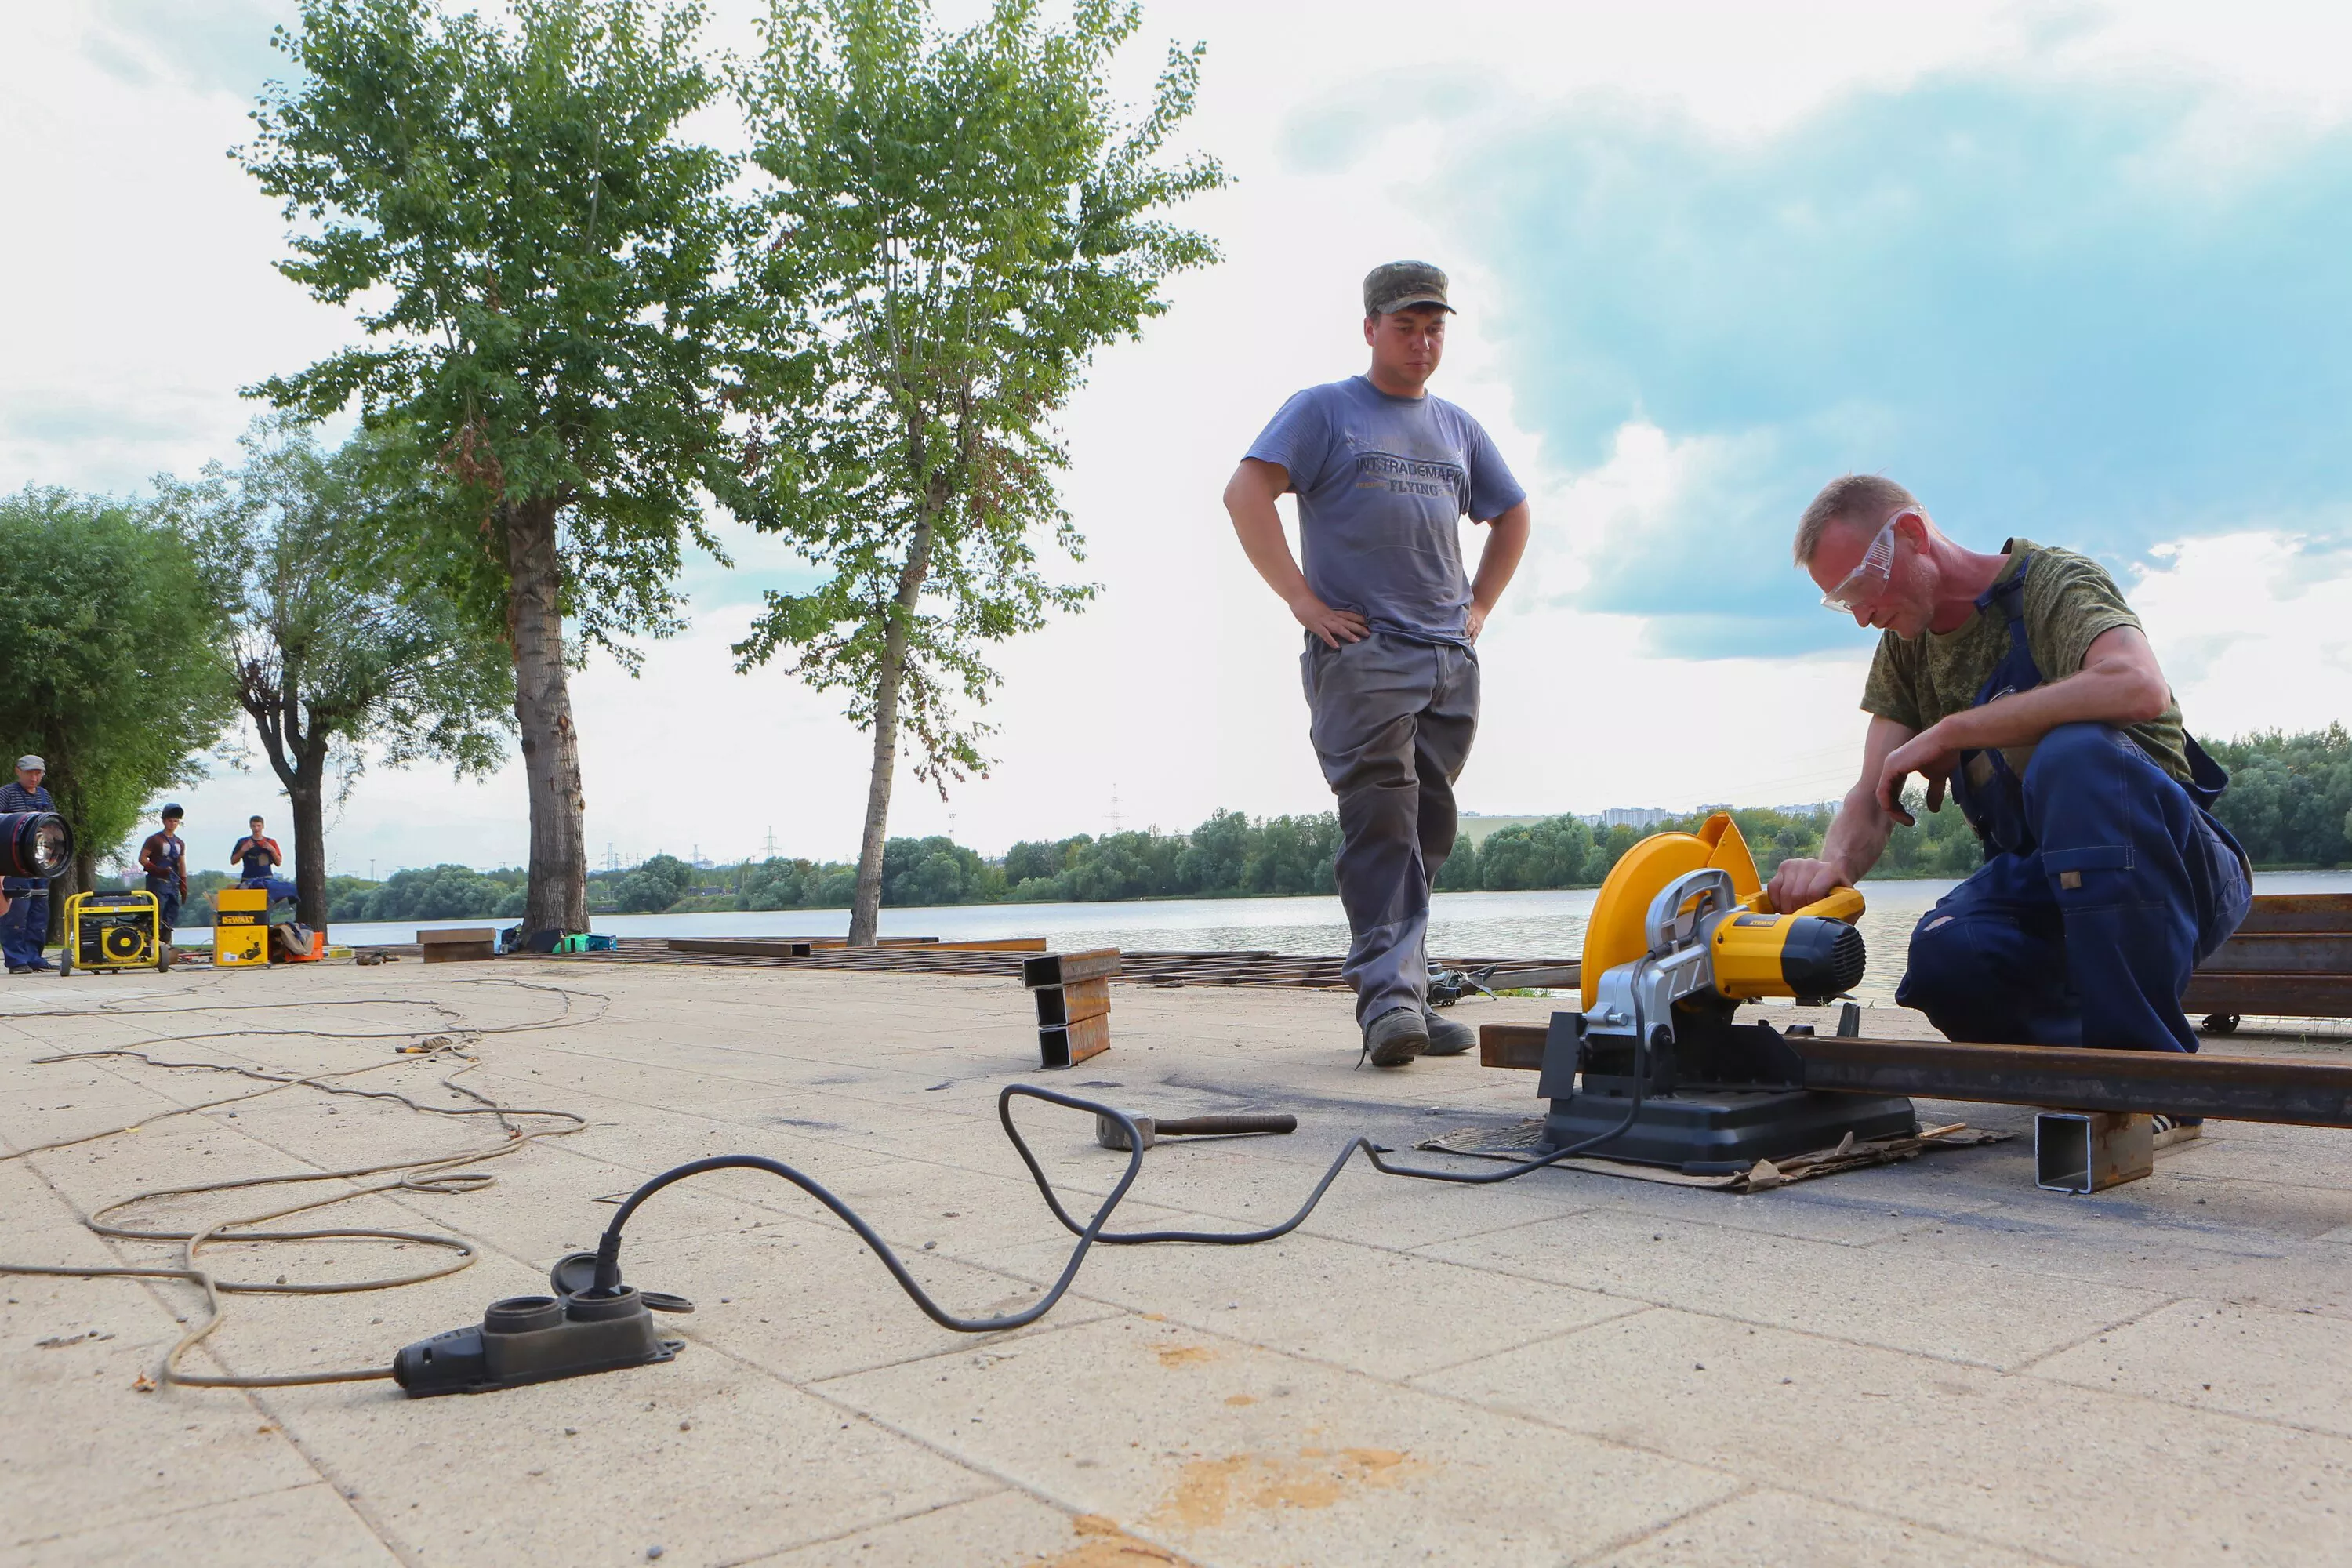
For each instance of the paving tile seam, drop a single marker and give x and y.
(770, 1556)
(1631, 1312)
(1667, 1306)
(1632, 1537)
(282, 1432)
(1844, 1505)
(349, 1497)
(1400, 1250)
(2026, 1367)
(2121, 1395)
(27, 1543)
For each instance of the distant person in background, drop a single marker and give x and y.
(1384, 474)
(257, 857)
(164, 859)
(25, 925)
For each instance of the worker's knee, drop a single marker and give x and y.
(2072, 750)
(1946, 969)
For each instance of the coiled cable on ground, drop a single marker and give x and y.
(439, 1174)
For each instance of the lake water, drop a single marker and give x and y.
(1466, 925)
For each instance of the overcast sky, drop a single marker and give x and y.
(2072, 272)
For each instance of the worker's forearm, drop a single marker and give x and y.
(1858, 835)
(1259, 528)
(1506, 541)
(2120, 696)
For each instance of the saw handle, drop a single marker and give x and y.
(1843, 904)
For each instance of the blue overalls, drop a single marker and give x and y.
(2106, 881)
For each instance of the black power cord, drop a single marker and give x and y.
(607, 1281)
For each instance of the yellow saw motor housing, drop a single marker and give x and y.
(1813, 952)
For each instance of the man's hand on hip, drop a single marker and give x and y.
(1334, 626)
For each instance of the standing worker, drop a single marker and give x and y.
(2021, 680)
(164, 859)
(25, 925)
(256, 856)
(1384, 473)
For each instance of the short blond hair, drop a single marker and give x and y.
(1867, 498)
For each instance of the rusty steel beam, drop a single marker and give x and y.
(2239, 1088)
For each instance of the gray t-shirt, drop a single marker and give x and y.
(1382, 484)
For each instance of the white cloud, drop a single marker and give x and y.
(140, 284)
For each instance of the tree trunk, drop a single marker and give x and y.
(865, 904)
(305, 791)
(558, 898)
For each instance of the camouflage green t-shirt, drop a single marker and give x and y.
(2070, 600)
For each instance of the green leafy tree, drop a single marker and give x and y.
(534, 250)
(960, 220)
(109, 671)
(1464, 871)
(335, 648)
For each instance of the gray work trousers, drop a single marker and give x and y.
(1391, 720)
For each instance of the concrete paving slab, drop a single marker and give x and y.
(2290, 1367)
(1230, 1454)
(705, 1457)
(1958, 1311)
(806, 1300)
(1362, 1308)
(1002, 1530)
(2078, 1475)
(310, 1524)
(1303, 1426)
(1777, 1527)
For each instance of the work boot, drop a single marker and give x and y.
(1395, 1037)
(1446, 1037)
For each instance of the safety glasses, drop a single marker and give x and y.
(1869, 574)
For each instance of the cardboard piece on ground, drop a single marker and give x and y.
(1520, 1142)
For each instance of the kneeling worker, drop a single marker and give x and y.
(2021, 682)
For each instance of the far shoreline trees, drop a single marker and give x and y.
(2296, 811)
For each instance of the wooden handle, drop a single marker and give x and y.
(1205, 1125)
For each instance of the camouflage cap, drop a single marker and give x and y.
(1398, 284)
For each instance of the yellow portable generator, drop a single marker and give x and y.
(241, 928)
(112, 931)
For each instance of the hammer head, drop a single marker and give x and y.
(1111, 1135)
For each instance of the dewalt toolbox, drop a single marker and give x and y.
(241, 928)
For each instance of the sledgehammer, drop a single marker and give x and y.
(1111, 1135)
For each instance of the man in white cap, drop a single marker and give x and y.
(24, 901)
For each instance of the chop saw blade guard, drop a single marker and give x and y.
(1682, 934)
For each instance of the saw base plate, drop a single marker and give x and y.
(1708, 1131)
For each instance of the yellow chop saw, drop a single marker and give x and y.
(1681, 934)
